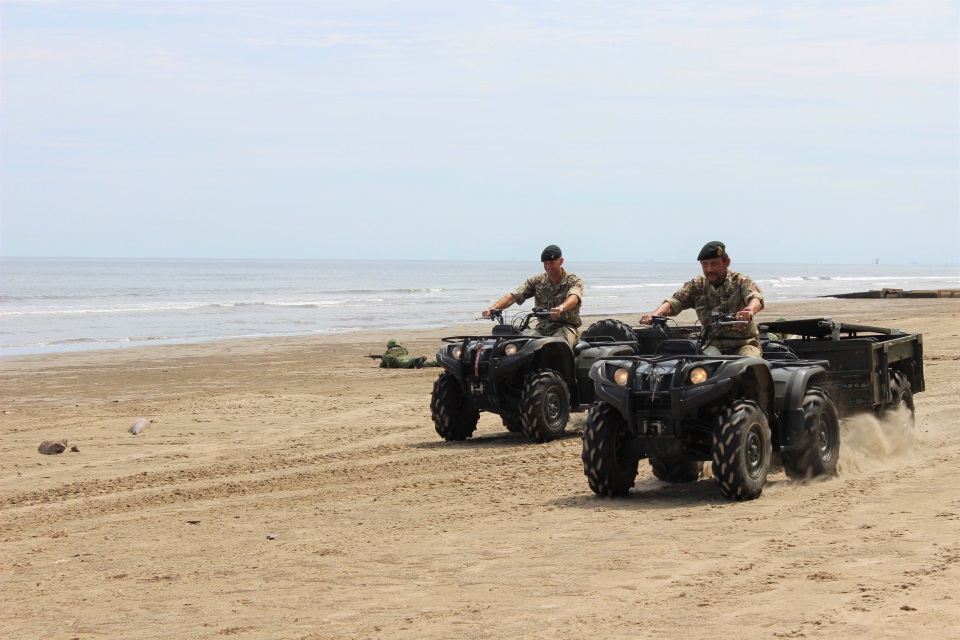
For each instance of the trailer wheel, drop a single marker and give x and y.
(453, 415)
(610, 471)
(676, 471)
(545, 405)
(902, 394)
(821, 439)
(614, 329)
(742, 450)
(512, 422)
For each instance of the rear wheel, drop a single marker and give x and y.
(742, 450)
(609, 470)
(453, 415)
(677, 471)
(902, 395)
(614, 329)
(821, 439)
(545, 405)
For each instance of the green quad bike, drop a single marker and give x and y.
(680, 407)
(532, 382)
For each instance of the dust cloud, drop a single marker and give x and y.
(868, 443)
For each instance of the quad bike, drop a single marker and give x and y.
(532, 382)
(680, 407)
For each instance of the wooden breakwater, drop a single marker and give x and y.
(898, 293)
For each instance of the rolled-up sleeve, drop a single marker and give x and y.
(576, 288)
(526, 290)
(684, 297)
(750, 291)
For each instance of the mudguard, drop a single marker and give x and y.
(792, 379)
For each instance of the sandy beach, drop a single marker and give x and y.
(290, 488)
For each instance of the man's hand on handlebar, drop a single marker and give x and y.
(744, 315)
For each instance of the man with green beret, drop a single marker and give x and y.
(397, 357)
(719, 289)
(554, 289)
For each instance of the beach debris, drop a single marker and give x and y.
(51, 447)
(898, 293)
(75, 449)
(139, 425)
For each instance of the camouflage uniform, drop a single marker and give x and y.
(548, 295)
(397, 357)
(730, 297)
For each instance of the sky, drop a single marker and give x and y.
(807, 132)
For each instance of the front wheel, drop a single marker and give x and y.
(676, 471)
(545, 405)
(609, 469)
(821, 439)
(742, 450)
(453, 415)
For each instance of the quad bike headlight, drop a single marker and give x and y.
(620, 376)
(510, 349)
(455, 352)
(698, 375)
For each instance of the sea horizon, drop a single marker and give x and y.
(50, 305)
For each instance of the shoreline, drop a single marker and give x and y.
(848, 310)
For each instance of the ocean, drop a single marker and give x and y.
(55, 305)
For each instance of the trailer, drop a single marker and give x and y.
(868, 368)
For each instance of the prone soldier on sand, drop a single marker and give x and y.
(397, 357)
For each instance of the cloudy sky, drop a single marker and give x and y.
(793, 131)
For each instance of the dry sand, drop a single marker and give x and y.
(289, 488)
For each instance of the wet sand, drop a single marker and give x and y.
(289, 488)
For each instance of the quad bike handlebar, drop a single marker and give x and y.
(707, 331)
(522, 320)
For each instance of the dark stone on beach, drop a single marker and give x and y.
(51, 447)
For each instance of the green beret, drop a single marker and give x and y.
(713, 249)
(552, 252)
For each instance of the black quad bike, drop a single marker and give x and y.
(680, 407)
(532, 382)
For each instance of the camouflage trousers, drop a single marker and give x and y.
(734, 348)
(557, 330)
(404, 362)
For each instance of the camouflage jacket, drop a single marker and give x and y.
(548, 295)
(731, 296)
(394, 356)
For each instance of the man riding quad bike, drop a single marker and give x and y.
(681, 407)
(532, 382)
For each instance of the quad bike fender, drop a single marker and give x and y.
(751, 378)
(556, 354)
(791, 386)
